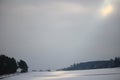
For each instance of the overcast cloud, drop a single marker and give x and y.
(56, 33)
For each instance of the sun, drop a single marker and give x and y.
(107, 10)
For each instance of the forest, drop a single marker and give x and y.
(112, 63)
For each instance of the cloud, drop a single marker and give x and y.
(71, 8)
(57, 7)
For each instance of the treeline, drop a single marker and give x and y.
(112, 63)
(10, 65)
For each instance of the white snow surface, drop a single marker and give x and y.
(96, 74)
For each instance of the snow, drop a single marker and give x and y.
(96, 74)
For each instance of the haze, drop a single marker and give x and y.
(52, 34)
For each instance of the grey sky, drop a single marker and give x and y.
(56, 33)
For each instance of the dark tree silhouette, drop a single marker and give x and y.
(14, 66)
(116, 62)
(95, 64)
(7, 65)
(23, 66)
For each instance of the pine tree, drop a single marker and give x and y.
(23, 66)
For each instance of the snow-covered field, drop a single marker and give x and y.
(96, 74)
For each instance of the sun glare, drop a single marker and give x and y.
(107, 10)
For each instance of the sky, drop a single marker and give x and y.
(53, 34)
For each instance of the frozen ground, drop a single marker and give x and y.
(97, 74)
